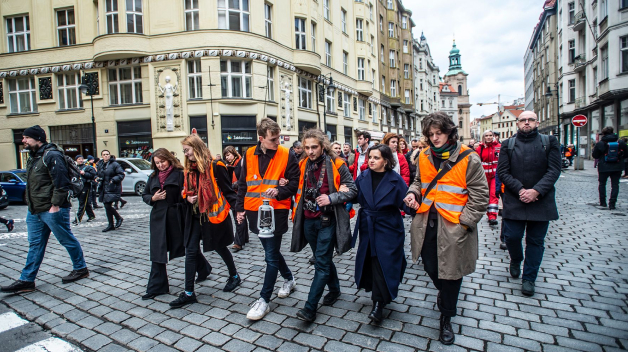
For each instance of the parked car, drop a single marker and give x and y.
(137, 172)
(4, 198)
(14, 184)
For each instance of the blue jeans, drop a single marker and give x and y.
(322, 240)
(275, 264)
(39, 227)
(535, 232)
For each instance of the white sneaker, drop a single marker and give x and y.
(259, 310)
(287, 288)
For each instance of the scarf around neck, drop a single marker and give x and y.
(200, 184)
(163, 175)
(445, 151)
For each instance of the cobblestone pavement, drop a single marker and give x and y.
(580, 304)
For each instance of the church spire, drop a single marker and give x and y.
(455, 65)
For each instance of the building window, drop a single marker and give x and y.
(361, 110)
(305, 93)
(66, 27)
(191, 15)
(391, 29)
(345, 62)
(421, 85)
(270, 72)
(268, 20)
(343, 20)
(371, 10)
(195, 79)
(299, 33)
(572, 51)
(451, 103)
(623, 4)
(407, 96)
(623, 47)
(22, 95)
(572, 90)
(442, 103)
(359, 32)
(420, 64)
(328, 53)
(125, 85)
(603, 9)
(326, 10)
(233, 15)
(18, 34)
(390, 4)
(373, 77)
(383, 87)
(374, 112)
(393, 88)
(361, 69)
(347, 105)
(69, 94)
(381, 24)
(572, 12)
(406, 71)
(391, 56)
(604, 55)
(111, 12)
(381, 52)
(313, 36)
(134, 17)
(405, 46)
(329, 100)
(404, 22)
(459, 91)
(235, 78)
(373, 45)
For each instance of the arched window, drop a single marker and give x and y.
(459, 89)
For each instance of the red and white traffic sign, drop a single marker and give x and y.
(579, 120)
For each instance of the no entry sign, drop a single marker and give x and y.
(579, 120)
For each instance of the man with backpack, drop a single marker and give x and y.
(610, 152)
(49, 185)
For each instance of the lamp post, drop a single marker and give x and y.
(326, 86)
(89, 86)
(549, 93)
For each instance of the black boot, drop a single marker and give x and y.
(109, 228)
(611, 206)
(377, 314)
(119, 222)
(75, 275)
(515, 269)
(183, 300)
(603, 203)
(18, 287)
(447, 335)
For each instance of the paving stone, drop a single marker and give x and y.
(238, 346)
(142, 343)
(188, 344)
(97, 342)
(313, 341)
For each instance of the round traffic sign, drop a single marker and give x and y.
(579, 120)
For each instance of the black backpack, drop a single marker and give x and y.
(74, 173)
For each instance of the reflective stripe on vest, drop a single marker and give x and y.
(450, 194)
(220, 209)
(302, 164)
(256, 185)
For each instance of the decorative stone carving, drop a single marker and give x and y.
(12, 73)
(212, 52)
(241, 53)
(286, 101)
(34, 71)
(339, 99)
(45, 88)
(66, 67)
(77, 67)
(173, 56)
(23, 72)
(199, 53)
(160, 57)
(254, 56)
(227, 52)
(148, 59)
(3, 74)
(167, 82)
(355, 104)
(124, 62)
(88, 65)
(321, 93)
(135, 60)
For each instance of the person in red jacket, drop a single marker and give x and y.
(489, 153)
(392, 141)
(360, 162)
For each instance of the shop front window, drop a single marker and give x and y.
(623, 118)
(609, 116)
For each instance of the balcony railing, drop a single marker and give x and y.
(580, 102)
(580, 62)
(580, 21)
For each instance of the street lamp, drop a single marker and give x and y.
(549, 93)
(89, 86)
(325, 90)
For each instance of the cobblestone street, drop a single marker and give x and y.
(580, 304)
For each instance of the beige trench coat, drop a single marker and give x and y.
(457, 247)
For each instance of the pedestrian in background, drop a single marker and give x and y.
(529, 166)
(297, 149)
(234, 166)
(450, 195)
(411, 166)
(163, 194)
(88, 174)
(489, 154)
(403, 146)
(610, 152)
(625, 139)
(347, 153)
(337, 148)
(380, 261)
(111, 175)
(94, 191)
(360, 161)
(47, 198)
(401, 165)
(320, 217)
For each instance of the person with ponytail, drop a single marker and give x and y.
(209, 197)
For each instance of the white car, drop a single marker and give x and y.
(137, 172)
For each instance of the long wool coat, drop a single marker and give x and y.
(111, 175)
(380, 225)
(166, 217)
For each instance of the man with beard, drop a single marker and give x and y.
(529, 166)
(47, 188)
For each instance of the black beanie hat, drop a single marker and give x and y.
(36, 133)
(78, 156)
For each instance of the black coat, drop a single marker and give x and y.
(166, 217)
(600, 150)
(89, 175)
(111, 175)
(214, 236)
(529, 168)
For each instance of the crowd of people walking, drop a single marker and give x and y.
(445, 186)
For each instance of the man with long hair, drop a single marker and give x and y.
(264, 165)
(320, 216)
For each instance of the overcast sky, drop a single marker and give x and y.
(492, 36)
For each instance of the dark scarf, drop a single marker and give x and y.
(201, 186)
(529, 135)
(311, 169)
(445, 151)
(163, 175)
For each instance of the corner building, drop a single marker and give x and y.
(229, 64)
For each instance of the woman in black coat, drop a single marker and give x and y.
(163, 193)
(380, 261)
(234, 166)
(111, 175)
(208, 197)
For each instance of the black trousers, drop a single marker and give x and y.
(449, 289)
(92, 195)
(84, 204)
(241, 231)
(602, 178)
(158, 278)
(373, 279)
(111, 213)
(194, 257)
(3, 220)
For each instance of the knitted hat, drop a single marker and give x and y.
(90, 158)
(78, 156)
(37, 133)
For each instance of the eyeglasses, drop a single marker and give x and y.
(524, 120)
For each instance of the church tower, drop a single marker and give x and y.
(458, 79)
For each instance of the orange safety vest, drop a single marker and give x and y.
(450, 194)
(568, 153)
(336, 166)
(219, 210)
(256, 185)
(234, 176)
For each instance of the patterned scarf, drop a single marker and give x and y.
(445, 151)
(204, 189)
(163, 175)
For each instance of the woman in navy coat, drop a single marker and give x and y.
(380, 261)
